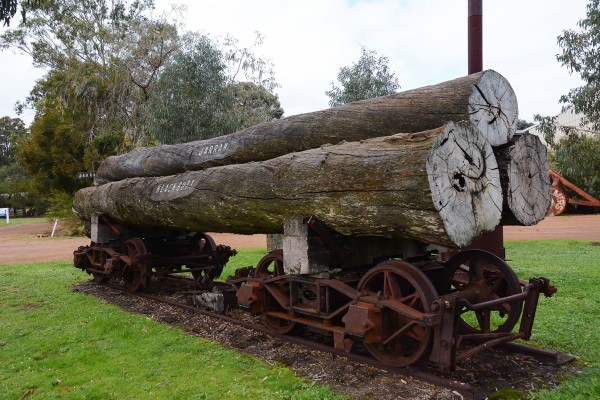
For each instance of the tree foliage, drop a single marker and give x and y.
(197, 95)
(109, 53)
(14, 181)
(581, 55)
(60, 31)
(369, 77)
(59, 145)
(15, 187)
(190, 101)
(11, 130)
(53, 154)
(253, 104)
(60, 206)
(8, 9)
(523, 124)
(577, 157)
(118, 78)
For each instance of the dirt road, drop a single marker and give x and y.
(21, 244)
(576, 227)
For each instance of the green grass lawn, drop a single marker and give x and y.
(55, 343)
(570, 320)
(245, 258)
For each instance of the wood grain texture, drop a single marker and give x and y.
(465, 183)
(485, 98)
(375, 187)
(526, 185)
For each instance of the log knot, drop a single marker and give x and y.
(465, 183)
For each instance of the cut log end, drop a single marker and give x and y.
(464, 183)
(528, 189)
(493, 108)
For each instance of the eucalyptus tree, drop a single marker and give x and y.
(11, 130)
(211, 88)
(8, 9)
(369, 77)
(576, 155)
(14, 181)
(118, 77)
(110, 54)
(580, 54)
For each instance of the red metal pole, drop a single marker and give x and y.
(491, 241)
(475, 36)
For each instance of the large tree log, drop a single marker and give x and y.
(485, 98)
(439, 186)
(523, 167)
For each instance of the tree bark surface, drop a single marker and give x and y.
(485, 98)
(438, 186)
(526, 184)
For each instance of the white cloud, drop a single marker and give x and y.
(426, 42)
(18, 78)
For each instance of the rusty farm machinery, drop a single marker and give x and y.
(561, 199)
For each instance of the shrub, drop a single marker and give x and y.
(577, 158)
(61, 208)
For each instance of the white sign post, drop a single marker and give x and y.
(4, 213)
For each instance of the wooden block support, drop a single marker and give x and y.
(100, 232)
(304, 252)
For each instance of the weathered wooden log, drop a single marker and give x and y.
(485, 98)
(438, 186)
(526, 184)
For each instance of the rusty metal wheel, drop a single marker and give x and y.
(560, 201)
(480, 276)
(404, 341)
(271, 266)
(204, 245)
(137, 274)
(278, 325)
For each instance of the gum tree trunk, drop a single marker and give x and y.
(486, 99)
(438, 186)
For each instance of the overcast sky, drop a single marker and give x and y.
(425, 40)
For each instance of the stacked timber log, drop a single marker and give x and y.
(485, 98)
(437, 182)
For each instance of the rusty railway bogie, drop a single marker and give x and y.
(394, 310)
(132, 261)
(401, 311)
